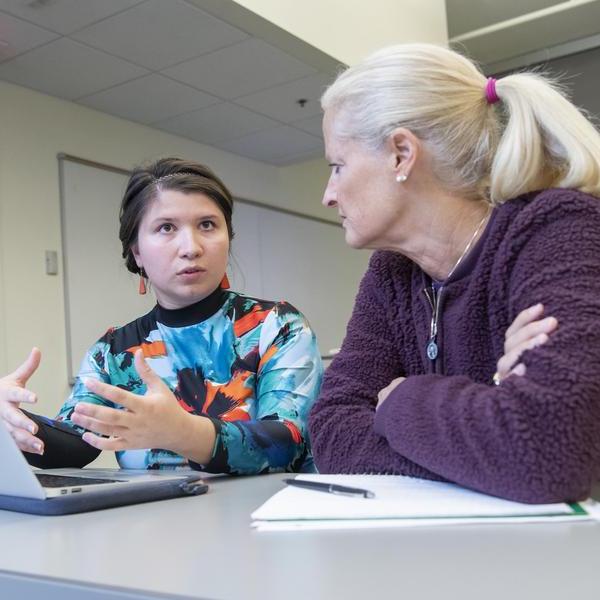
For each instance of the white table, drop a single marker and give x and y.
(203, 547)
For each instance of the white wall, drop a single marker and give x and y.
(33, 129)
(348, 30)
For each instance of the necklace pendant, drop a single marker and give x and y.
(432, 350)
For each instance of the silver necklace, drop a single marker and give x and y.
(432, 348)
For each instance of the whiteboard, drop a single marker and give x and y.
(275, 255)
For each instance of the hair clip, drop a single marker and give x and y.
(171, 175)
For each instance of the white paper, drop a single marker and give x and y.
(408, 523)
(399, 502)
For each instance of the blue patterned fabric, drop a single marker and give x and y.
(251, 366)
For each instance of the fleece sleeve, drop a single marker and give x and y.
(342, 421)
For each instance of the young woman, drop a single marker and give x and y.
(481, 199)
(210, 377)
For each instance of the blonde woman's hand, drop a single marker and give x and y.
(154, 420)
(529, 330)
(387, 390)
(12, 393)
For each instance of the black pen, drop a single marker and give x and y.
(329, 488)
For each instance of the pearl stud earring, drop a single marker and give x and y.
(401, 178)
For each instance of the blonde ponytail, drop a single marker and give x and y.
(547, 142)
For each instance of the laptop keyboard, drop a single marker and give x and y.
(54, 481)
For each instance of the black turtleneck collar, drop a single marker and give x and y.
(194, 313)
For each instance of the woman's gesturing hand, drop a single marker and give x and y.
(12, 393)
(527, 331)
(154, 420)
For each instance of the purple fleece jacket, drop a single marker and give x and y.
(534, 438)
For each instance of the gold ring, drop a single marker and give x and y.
(496, 378)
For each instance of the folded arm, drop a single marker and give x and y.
(342, 421)
(534, 438)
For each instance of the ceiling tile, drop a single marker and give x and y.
(217, 123)
(290, 159)
(18, 36)
(65, 16)
(312, 125)
(202, 60)
(281, 102)
(173, 32)
(68, 70)
(149, 99)
(273, 144)
(240, 69)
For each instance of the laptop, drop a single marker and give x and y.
(64, 491)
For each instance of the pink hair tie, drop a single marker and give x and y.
(490, 91)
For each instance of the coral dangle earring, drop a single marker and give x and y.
(225, 282)
(142, 287)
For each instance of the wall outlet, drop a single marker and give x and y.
(51, 262)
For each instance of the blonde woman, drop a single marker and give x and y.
(480, 198)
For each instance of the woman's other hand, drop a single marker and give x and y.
(154, 420)
(527, 331)
(12, 393)
(387, 390)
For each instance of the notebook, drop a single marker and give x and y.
(401, 502)
(65, 491)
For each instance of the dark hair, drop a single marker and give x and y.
(177, 174)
